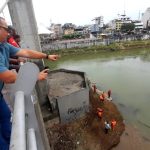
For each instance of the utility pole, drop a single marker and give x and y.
(139, 17)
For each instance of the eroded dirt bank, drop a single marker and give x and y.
(88, 133)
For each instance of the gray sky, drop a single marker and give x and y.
(81, 12)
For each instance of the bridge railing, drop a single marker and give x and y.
(18, 134)
(28, 130)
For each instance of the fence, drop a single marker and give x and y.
(28, 131)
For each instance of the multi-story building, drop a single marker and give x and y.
(138, 24)
(146, 18)
(117, 23)
(99, 21)
(95, 28)
(112, 24)
(122, 20)
(57, 31)
(68, 29)
(79, 30)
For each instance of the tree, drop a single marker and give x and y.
(73, 36)
(127, 27)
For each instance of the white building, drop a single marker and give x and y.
(57, 31)
(112, 24)
(99, 21)
(146, 18)
(138, 25)
(124, 19)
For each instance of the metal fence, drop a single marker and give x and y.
(28, 131)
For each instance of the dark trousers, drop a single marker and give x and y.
(5, 125)
(106, 130)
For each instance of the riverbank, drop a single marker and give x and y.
(123, 70)
(128, 45)
(88, 133)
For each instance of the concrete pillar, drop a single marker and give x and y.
(23, 19)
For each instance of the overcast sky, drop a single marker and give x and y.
(81, 12)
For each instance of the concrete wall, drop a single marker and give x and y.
(41, 88)
(41, 126)
(74, 105)
(73, 43)
(70, 106)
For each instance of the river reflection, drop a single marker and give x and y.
(127, 73)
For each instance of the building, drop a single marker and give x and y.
(68, 29)
(117, 23)
(57, 31)
(146, 18)
(95, 30)
(79, 30)
(86, 31)
(138, 25)
(112, 25)
(99, 21)
(122, 19)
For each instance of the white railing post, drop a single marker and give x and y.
(23, 87)
(31, 138)
(18, 135)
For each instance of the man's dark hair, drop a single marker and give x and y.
(16, 36)
(11, 30)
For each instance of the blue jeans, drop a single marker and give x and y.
(5, 125)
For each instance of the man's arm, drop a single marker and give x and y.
(35, 54)
(8, 76)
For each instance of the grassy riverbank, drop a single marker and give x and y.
(112, 47)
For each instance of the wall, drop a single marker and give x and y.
(74, 105)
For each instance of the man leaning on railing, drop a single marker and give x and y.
(8, 76)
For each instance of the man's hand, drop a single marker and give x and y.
(21, 60)
(53, 57)
(43, 74)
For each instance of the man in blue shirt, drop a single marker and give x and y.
(8, 76)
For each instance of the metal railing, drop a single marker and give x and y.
(26, 131)
(18, 135)
(31, 139)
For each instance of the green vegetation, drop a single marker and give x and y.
(127, 27)
(73, 36)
